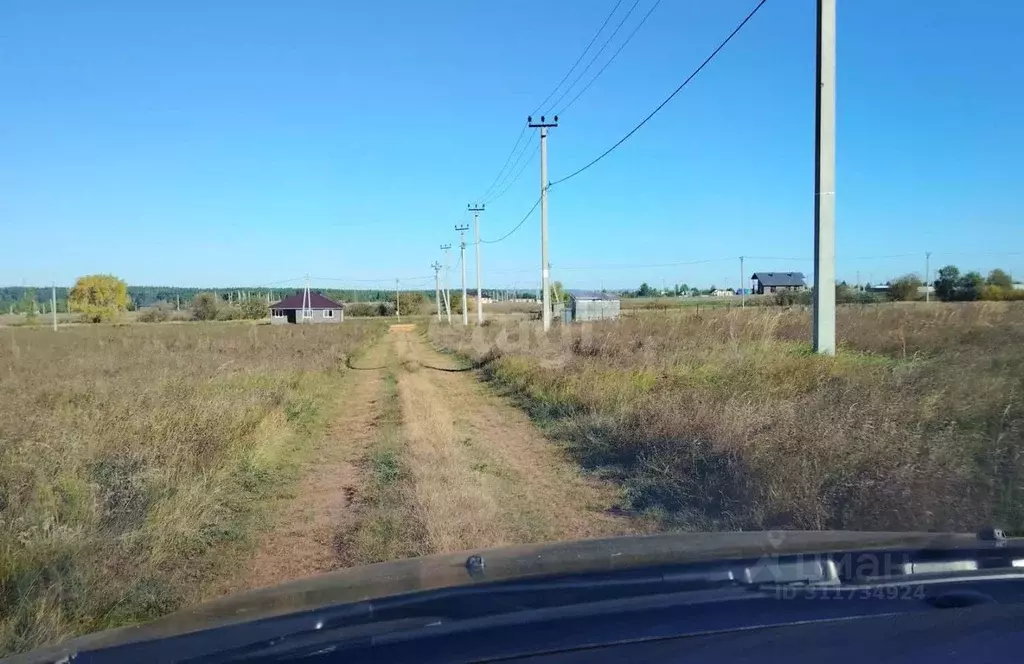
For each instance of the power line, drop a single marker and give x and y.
(517, 175)
(507, 160)
(550, 95)
(579, 59)
(596, 55)
(517, 226)
(505, 182)
(612, 59)
(667, 99)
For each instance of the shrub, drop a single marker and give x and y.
(230, 312)
(153, 315)
(361, 309)
(205, 306)
(787, 298)
(904, 288)
(409, 303)
(254, 308)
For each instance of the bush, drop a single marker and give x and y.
(904, 288)
(254, 309)
(205, 306)
(787, 298)
(153, 315)
(361, 309)
(230, 312)
(409, 303)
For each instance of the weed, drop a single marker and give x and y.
(726, 419)
(133, 461)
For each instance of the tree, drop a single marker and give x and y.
(410, 302)
(645, 290)
(205, 306)
(904, 288)
(969, 286)
(98, 297)
(999, 279)
(945, 285)
(456, 302)
(254, 308)
(557, 291)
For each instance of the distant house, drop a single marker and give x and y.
(774, 282)
(591, 305)
(723, 292)
(320, 310)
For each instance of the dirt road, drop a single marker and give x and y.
(463, 469)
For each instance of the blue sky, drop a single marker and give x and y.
(247, 142)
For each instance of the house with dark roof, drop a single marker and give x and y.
(774, 282)
(320, 310)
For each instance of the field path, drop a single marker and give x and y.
(304, 539)
(483, 474)
(477, 473)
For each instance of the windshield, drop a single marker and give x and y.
(556, 276)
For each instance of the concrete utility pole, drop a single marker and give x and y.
(476, 210)
(927, 275)
(448, 282)
(437, 288)
(825, 183)
(743, 291)
(545, 273)
(53, 305)
(462, 244)
(398, 309)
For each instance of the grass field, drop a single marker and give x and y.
(724, 419)
(134, 459)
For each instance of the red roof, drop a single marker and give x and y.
(316, 301)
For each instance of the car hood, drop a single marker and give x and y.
(450, 570)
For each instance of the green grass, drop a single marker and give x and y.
(387, 527)
(135, 460)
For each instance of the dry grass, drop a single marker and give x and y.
(725, 420)
(134, 457)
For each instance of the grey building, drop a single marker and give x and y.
(590, 305)
(774, 282)
(322, 310)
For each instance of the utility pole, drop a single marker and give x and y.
(927, 275)
(825, 182)
(398, 309)
(462, 244)
(743, 291)
(448, 282)
(545, 272)
(476, 210)
(53, 305)
(437, 288)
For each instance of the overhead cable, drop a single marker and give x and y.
(667, 99)
(596, 55)
(612, 59)
(515, 228)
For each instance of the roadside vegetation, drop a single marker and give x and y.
(134, 461)
(724, 419)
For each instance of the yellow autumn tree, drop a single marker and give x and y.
(99, 297)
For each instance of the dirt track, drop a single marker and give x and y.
(480, 474)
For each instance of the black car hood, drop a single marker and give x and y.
(508, 563)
